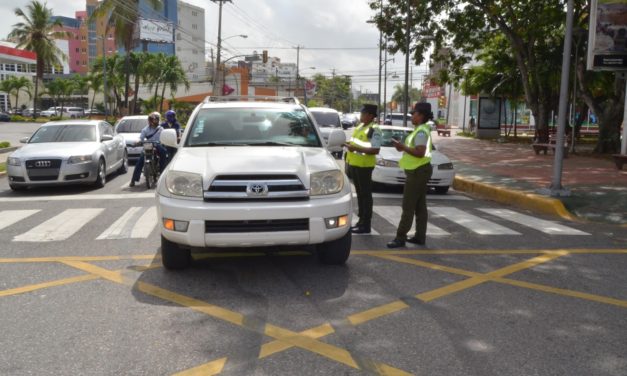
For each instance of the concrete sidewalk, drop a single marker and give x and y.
(513, 173)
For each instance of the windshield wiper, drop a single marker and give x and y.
(220, 144)
(271, 143)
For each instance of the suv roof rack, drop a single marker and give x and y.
(251, 98)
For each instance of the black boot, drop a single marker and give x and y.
(396, 243)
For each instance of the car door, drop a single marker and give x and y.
(109, 147)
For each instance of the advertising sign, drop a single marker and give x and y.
(489, 113)
(155, 31)
(607, 37)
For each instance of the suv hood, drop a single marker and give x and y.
(253, 160)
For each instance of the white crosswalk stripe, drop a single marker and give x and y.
(9, 217)
(135, 223)
(548, 227)
(60, 227)
(392, 214)
(472, 222)
(146, 224)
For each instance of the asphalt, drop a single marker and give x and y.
(511, 173)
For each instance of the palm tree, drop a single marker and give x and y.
(399, 94)
(173, 74)
(37, 33)
(154, 70)
(13, 85)
(95, 81)
(81, 86)
(124, 16)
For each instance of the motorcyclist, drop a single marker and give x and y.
(151, 132)
(171, 123)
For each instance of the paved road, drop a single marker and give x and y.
(496, 291)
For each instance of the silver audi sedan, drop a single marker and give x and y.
(68, 152)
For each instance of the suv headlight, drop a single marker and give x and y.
(13, 161)
(79, 159)
(184, 183)
(326, 182)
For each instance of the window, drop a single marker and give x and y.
(178, 36)
(194, 13)
(78, 49)
(194, 26)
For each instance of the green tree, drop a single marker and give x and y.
(172, 75)
(115, 78)
(399, 94)
(60, 89)
(36, 33)
(124, 16)
(95, 84)
(81, 86)
(334, 92)
(13, 85)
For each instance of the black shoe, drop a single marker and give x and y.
(357, 226)
(360, 230)
(414, 240)
(396, 243)
(132, 183)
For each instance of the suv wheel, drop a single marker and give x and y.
(335, 252)
(174, 257)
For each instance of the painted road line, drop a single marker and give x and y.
(79, 197)
(146, 224)
(121, 228)
(548, 227)
(429, 197)
(472, 222)
(9, 217)
(392, 214)
(60, 227)
(45, 285)
(209, 369)
(377, 312)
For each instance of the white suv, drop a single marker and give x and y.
(253, 173)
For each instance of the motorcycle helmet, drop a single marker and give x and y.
(154, 115)
(170, 116)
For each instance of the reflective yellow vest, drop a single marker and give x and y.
(360, 138)
(408, 161)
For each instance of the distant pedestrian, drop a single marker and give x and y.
(361, 158)
(416, 161)
(472, 124)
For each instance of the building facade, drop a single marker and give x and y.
(190, 41)
(15, 62)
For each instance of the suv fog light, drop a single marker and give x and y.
(336, 222)
(172, 225)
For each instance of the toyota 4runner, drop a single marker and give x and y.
(253, 173)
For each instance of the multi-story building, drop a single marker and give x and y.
(190, 41)
(155, 28)
(15, 62)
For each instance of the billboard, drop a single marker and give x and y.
(607, 36)
(155, 31)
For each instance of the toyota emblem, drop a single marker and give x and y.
(257, 189)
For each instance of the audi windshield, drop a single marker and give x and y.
(64, 133)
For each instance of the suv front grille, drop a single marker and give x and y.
(256, 188)
(262, 225)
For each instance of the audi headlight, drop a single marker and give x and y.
(445, 166)
(386, 163)
(13, 161)
(79, 159)
(326, 182)
(184, 183)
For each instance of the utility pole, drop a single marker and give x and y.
(217, 69)
(407, 43)
(380, 63)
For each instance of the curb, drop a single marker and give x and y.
(9, 149)
(530, 201)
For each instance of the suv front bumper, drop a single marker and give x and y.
(196, 212)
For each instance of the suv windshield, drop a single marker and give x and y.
(327, 119)
(252, 126)
(131, 125)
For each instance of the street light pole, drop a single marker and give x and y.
(380, 46)
(407, 40)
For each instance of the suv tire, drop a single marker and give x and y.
(335, 252)
(173, 257)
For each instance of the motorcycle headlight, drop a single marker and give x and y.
(326, 182)
(386, 163)
(79, 159)
(184, 183)
(13, 161)
(445, 166)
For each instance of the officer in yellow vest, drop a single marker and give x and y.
(361, 158)
(416, 161)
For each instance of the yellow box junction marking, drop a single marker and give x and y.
(285, 339)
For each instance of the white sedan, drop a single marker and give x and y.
(387, 170)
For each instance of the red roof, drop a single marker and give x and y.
(4, 50)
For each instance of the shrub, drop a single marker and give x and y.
(4, 144)
(18, 118)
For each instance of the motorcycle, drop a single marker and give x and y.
(151, 163)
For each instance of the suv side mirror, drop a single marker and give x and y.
(168, 138)
(337, 138)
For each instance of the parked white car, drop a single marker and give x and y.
(328, 120)
(130, 127)
(396, 119)
(51, 111)
(251, 173)
(387, 171)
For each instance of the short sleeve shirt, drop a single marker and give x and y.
(421, 139)
(375, 140)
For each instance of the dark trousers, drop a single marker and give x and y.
(362, 178)
(139, 165)
(415, 203)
